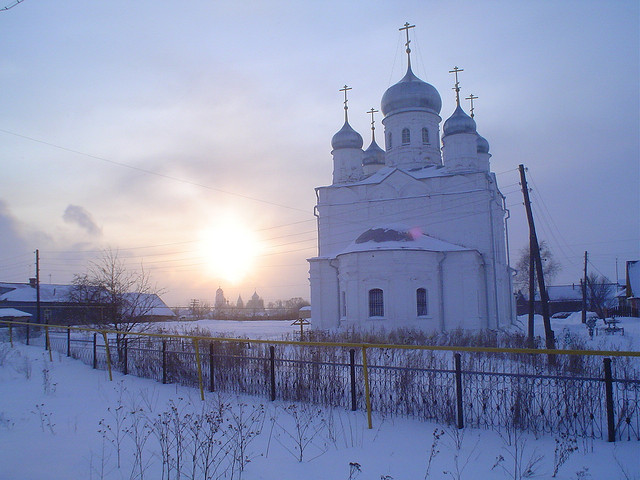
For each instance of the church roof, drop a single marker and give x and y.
(399, 238)
(346, 137)
(411, 93)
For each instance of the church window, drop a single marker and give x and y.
(376, 303)
(405, 136)
(389, 144)
(421, 302)
(425, 136)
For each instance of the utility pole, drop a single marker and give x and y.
(37, 286)
(535, 252)
(532, 293)
(584, 290)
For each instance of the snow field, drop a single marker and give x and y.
(51, 414)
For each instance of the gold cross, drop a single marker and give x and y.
(457, 86)
(345, 89)
(406, 29)
(373, 128)
(471, 97)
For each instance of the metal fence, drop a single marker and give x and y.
(579, 393)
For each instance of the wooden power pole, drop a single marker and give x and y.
(584, 290)
(535, 253)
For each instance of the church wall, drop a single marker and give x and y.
(324, 294)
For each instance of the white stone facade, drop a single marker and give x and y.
(420, 241)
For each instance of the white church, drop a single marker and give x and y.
(413, 235)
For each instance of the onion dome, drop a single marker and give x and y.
(347, 137)
(459, 122)
(411, 93)
(373, 155)
(483, 145)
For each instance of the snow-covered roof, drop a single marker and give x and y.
(13, 313)
(399, 238)
(24, 292)
(428, 171)
(569, 293)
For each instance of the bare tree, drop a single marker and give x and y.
(600, 294)
(550, 267)
(117, 297)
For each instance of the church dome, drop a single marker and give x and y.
(347, 137)
(483, 145)
(459, 122)
(410, 92)
(373, 155)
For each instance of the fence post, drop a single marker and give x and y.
(199, 364)
(28, 332)
(108, 352)
(211, 372)
(48, 342)
(352, 368)
(460, 422)
(367, 395)
(608, 388)
(68, 342)
(95, 360)
(272, 362)
(164, 361)
(125, 368)
(11, 335)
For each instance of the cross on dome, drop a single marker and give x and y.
(345, 89)
(406, 29)
(373, 128)
(457, 85)
(471, 97)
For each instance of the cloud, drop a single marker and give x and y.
(81, 217)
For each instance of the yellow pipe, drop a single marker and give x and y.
(367, 398)
(195, 344)
(106, 346)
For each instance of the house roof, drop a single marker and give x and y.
(24, 292)
(13, 313)
(633, 278)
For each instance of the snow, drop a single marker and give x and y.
(51, 411)
(50, 414)
(13, 313)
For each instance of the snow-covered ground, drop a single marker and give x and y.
(51, 414)
(264, 329)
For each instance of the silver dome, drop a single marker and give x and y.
(347, 137)
(483, 145)
(459, 122)
(411, 93)
(373, 155)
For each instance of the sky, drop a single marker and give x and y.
(189, 137)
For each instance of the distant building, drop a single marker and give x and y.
(255, 303)
(220, 301)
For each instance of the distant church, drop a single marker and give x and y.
(412, 235)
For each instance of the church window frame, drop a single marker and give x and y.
(422, 302)
(389, 141)
(406, 136)
(425, 136)
(376, 303)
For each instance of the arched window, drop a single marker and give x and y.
(406, 137)
(376, 303)
(425, 136)
(389, 144)
(421, 302)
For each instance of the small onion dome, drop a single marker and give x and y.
(483, 145)
(373, 155)
(411, 92)
(347, 137)
(459, 122)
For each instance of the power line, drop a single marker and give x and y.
(9, 7)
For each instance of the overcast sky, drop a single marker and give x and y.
(152, 126)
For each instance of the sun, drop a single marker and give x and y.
(230, 249)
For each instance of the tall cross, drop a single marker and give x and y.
(345, 89)
(457, 87)
(373, 128)
(406, 29)
(471, 97)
